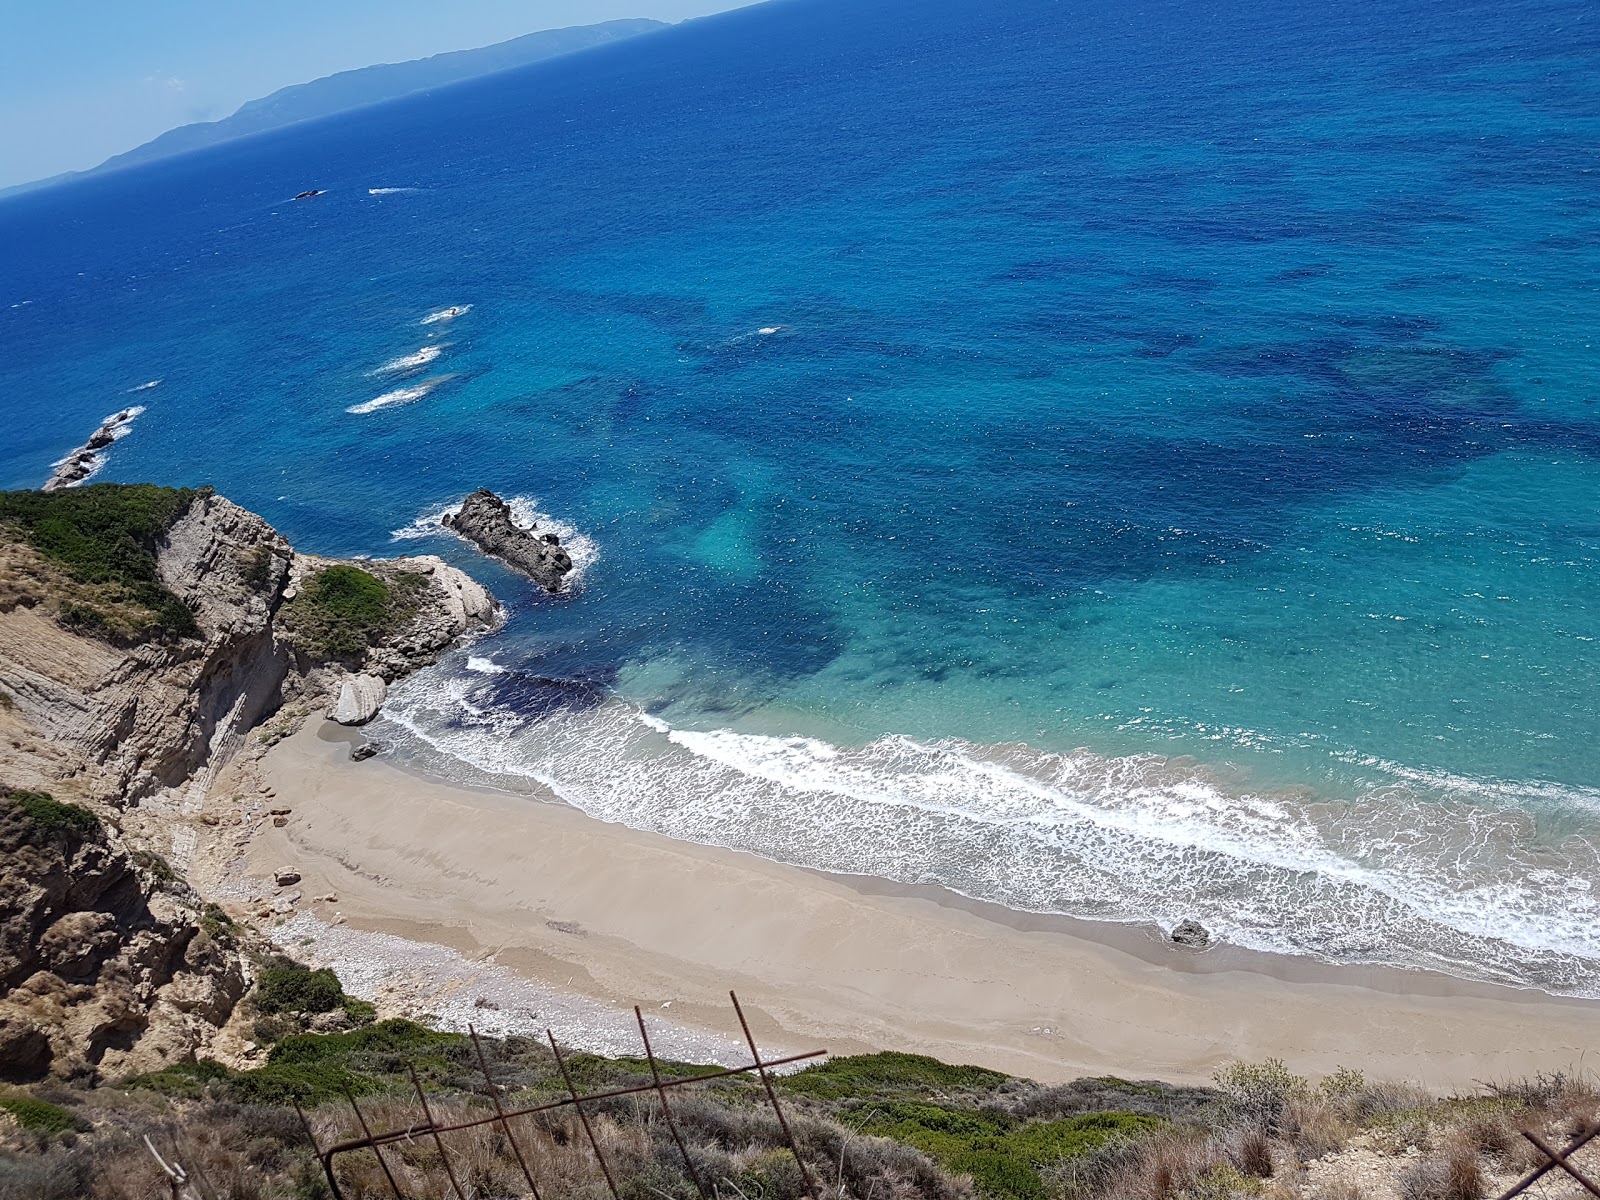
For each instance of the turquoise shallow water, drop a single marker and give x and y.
(1137, 464)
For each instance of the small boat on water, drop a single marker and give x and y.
(307, 195)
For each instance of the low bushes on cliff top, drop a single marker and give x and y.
(1003, 1155)
(888, 1074)
(40, 1116)
(343, 610)
(106, 537)
(47, 814)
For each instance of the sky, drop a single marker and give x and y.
(81, 80)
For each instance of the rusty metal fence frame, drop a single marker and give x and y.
(1556, 1159)
(430, 1128)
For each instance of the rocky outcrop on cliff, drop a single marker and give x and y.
(486, 521)
(106, 967)
(129, 723)
(109, 963)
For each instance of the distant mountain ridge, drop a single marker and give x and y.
(358, 88)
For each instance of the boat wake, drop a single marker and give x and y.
(446, 314)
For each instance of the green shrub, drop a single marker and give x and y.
(287, 986)
(257, 569)
(49, 815)
(359, 1011)
(181, 1079)
(107, 535)
(314, 1067)
(887, 1074)
(1002, 1154)
(39, 1116)
(154, 865)
(342, 610)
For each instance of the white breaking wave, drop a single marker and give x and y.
(580, 547)
(1400, 877)
(485, 666)
(405, 395)
(391, 191)
(446, 314)
(769, 330)
(409, 362)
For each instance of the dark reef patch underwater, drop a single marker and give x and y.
(1132, 461)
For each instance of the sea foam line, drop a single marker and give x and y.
(409, 362)
(1394, 878)
(404, 395)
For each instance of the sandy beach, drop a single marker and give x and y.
(621, 917)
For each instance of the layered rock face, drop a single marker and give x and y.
(104, 968)
(130, 723)
(485, 520)
(107, 966)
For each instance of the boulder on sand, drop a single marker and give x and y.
(360, 698)
(1192, 934)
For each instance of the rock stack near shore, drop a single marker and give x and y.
(83, 462)
(485, 520)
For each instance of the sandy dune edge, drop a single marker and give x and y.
(623, 917)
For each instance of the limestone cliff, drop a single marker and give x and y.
(126, 723)
(128, 694)
(106, 966)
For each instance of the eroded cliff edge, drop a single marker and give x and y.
(144, 633)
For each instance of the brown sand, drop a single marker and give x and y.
(627, 917)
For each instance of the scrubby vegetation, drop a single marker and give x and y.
(871, 1127)
(102, 541)
(45, 814)
(40, 1116)
(342, 610)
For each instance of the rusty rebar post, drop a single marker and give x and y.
(494, 1097)
(325, 1159)
(373, 1140)
(444, 1155)
(772, 1096)
(377, 1151)
(666, 1108)
(1559, 1158)
(583, 1116)
(1538, 1173)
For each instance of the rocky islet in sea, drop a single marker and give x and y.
(486, 521)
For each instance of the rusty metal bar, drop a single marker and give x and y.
(766, 1082)
(1534, 1176)
(378, 1153)
(384, 1139)
(666, 1108)
(1559, 1158)
(494, 1096)
(434, 1129)
(583, 1116)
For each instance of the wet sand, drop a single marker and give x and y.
(623, 917)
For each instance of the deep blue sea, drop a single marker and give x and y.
(1139, 461)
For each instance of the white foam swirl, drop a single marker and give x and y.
(1405, 876)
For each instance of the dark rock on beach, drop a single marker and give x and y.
(1191, 934)
(365, 751)
(485, 520)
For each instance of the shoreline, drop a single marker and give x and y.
(854, 963)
